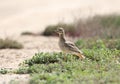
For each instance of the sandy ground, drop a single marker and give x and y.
(17, 16)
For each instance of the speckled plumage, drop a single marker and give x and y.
(66, 46)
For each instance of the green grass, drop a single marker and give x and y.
(101, 66)
(98, 43)
(9, 43)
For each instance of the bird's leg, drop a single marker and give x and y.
(65, 59)
(71, 57)
(80, 56)
(65, 54)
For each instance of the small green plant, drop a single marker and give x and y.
(8, 43)
(22, 70)
(3, 71)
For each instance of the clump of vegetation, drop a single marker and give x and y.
(3, 71)
(43, 59)
(103, 26)
(30, 33)
(47, 58)
(27, 33)
(22, 70)
(8, 43)
(69, 29)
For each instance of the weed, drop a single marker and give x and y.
(3, 71)
(22, 70)
(8, 43)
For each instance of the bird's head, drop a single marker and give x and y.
(60, 31)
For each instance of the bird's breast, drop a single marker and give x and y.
(63, 47)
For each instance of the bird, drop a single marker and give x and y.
(67, 46)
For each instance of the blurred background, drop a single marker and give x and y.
(17, 16)
(27, 27)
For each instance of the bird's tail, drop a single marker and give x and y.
(80, 56)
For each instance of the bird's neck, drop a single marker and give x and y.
(62, 37)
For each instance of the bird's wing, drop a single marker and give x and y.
(71, 46)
